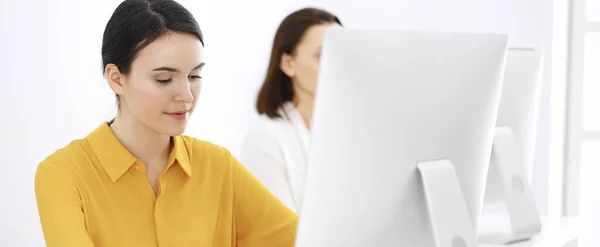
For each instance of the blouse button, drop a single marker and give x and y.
(136, 168)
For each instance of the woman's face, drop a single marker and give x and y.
(303, 65)
(162, 87)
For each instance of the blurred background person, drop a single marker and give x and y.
(275, 149)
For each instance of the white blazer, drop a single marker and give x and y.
(275, 151)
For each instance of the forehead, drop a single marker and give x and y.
(314, 35)
(174, 49)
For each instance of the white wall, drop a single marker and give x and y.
(518, 18)
(53, 91)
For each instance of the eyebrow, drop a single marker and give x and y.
(170, 69)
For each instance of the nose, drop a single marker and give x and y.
(183, 92)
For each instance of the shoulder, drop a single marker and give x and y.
(266, 131)
(267, 141)
(75, 149)
(197, 147)
(265, 137)
(211, 159)
(265, 123)
(207, 156)
(65, 162)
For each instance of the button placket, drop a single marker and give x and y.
(159, 220)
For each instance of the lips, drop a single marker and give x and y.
(180, 115)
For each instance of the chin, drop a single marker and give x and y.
(174, 130)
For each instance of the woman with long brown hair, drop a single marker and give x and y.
(275, 150)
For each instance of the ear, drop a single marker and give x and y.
(115, 79)
(287, 65)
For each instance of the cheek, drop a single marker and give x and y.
(310, 64)
(309, 71)
(149, 99)
(317, 66)
(314, 72)
(195, 89)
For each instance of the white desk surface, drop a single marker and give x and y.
(555, 233)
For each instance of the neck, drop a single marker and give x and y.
(305, 108)
(149, 147)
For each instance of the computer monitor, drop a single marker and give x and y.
(401, 138)
(510, 213)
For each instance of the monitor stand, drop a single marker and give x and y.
(508, 169)
(448, 212)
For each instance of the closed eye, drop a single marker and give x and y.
(195, 77)
(164, 81)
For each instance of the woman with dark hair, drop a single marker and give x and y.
(136, 180)
(275, 149)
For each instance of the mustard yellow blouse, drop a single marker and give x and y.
(93, 192)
